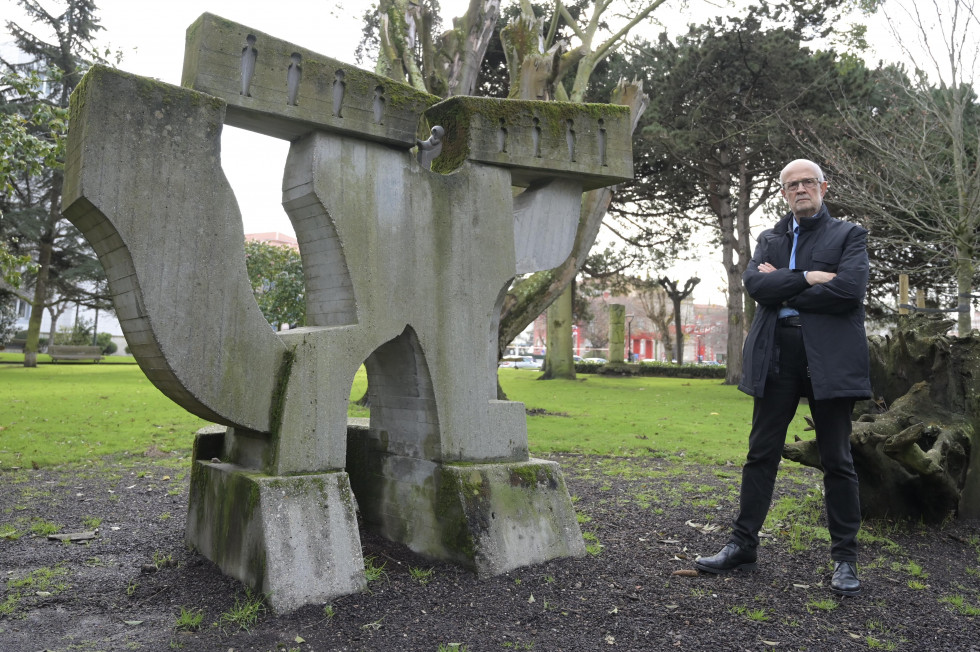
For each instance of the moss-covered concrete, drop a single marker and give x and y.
(490, 518)
(405, 271)
(143, 184)
(536, 140)
(373, 106)
(293, 539)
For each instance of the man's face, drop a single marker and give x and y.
(801, 193)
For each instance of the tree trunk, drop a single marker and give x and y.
(476, 27)
(400, 22)
(679, 329)
(720, 200)
(964, 284)
(559, 361)
(918, 458)
(55, 311)
(741, 307)
(31, 347)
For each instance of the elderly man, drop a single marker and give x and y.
(808, 276)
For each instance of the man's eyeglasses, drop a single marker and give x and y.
(809, 184)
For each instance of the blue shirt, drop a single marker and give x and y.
(784, 311)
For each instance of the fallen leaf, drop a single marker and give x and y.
(299, 639)
(802, 586)
(133, 622)
(772, 643)
(531, 599)
(705, 528)
(610, 639)
(685, 572)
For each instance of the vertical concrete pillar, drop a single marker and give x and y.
(617, 332)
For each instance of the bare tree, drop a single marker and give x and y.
(658, 308)
(677, 296)
(910, 168)
(443, 65)
(597, 328)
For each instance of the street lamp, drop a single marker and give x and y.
(699, 345)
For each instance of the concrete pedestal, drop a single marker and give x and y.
(293, 539)
(488, 517)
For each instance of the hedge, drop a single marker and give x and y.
(664, 369)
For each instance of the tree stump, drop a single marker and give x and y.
(915, 445)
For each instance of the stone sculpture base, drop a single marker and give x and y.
(488, 517)
(293, 539)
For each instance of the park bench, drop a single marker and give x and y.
(65, 352)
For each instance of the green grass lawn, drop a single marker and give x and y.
(69, 413)
(18, 358)
(702, 420)
(75, 413)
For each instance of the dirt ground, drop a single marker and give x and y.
(646, 519)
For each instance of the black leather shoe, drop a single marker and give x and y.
(731, 557)
(845, 580)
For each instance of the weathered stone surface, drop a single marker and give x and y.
(405, 270)
(292, 538)
(617, 333)
(74, 537)
(287, 91)
(538, 141)
(145, 186)
(490, 518)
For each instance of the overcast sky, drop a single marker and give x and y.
(151, 39)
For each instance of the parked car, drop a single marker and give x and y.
(527, 362)
(595, 360)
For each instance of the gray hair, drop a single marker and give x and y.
(816, 169)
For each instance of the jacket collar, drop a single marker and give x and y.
(785, 225)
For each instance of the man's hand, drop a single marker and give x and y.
(765, 268)
(815, 277)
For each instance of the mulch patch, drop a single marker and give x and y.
(646, 517)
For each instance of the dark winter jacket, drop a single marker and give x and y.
(832, 313)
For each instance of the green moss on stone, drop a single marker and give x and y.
(456, 536)
(278, 404)
(459, 116)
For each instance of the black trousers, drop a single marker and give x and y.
(788, 380)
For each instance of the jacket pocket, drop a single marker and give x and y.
(826, 260)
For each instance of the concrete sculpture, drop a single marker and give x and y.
(405, 270)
